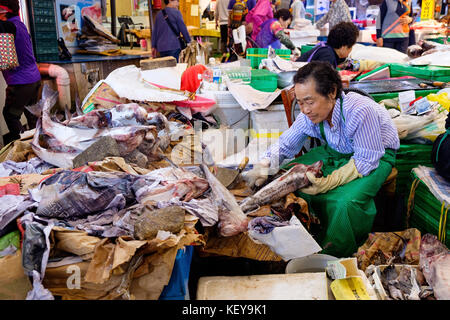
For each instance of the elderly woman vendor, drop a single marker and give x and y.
(358, 147)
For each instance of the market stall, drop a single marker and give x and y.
(137, 189)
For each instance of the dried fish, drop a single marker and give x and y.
(169, 183)
(58, 143)
(289, 182)
(435, 264)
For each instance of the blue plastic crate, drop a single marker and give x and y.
(177, 289)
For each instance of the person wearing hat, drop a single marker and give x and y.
(23, 81)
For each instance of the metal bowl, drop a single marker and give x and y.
(313, 263)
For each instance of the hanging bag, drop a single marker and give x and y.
(8, 54)
(183, 43)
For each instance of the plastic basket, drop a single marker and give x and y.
(391, 95)
(408, 157)
(305, 48)
(255, 55)
(426, 72)
(239, 73)
(264, 80)
(427, 211)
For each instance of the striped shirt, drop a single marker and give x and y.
(366, 132)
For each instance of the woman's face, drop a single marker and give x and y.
(284, 23)
(343, 52)
(315, 106)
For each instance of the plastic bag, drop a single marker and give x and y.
(442, 98)
(422, 129)
(429, 132)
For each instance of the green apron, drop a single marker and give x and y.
(347, 212)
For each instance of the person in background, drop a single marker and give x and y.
(272, 32)
(235, 16)
(393, 24)
(337, 13)
(221, 17)
(341, 39)
(164, 40)
(440, 153)
(23, 81)
(275, 5)
(237, 12)
(260, 13)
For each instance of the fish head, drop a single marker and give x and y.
(316, 168)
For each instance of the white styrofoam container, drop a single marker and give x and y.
(270, 122)
(232, 115)
(236, 121)
(224, 97)
(294, 286)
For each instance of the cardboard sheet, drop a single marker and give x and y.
(14, 284)
(239, 246)
(167, 77)
(129, 83)
(251, 99)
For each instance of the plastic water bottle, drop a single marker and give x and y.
(217, 73)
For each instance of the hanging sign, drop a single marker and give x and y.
(321, 7)
(427, 10)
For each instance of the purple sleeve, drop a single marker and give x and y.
(182, 27)
(231, 4)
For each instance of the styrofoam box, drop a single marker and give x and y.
(295, 286)
(232, 115)
(224, 97)
(270, 121)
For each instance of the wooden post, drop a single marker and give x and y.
(150, 15)
(113, 17)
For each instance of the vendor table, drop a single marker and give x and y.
(86, 70)
(204, 33)
(207, 33)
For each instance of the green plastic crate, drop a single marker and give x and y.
(306, 48)
(426, 213)
(426, 72)
(440, 40)
(255, 55)
(390, 95)
(264, 80)
(408, 157)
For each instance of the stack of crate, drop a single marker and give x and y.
(43, 29)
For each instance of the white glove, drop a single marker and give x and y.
(296, 52)
(258, 175)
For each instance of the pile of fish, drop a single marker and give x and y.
(131, 126)
(435, 264)
(291, 181)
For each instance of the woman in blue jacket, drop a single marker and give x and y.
(164, 39)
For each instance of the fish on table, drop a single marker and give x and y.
(294, 179)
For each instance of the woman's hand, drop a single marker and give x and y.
(379, 42)
(154, 53)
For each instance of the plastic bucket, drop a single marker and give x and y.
(312, 263)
